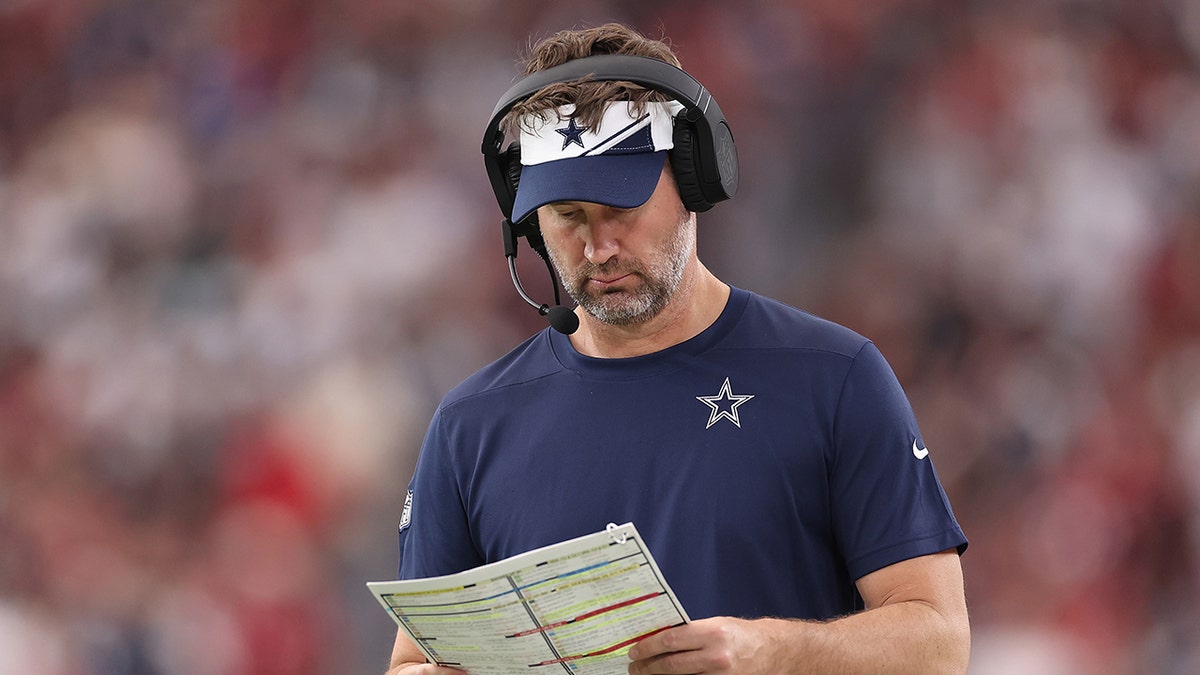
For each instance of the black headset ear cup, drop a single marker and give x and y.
(510, 162)
(683, 165)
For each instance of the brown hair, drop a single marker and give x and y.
(589, 97)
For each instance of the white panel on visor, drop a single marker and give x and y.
(554, 135)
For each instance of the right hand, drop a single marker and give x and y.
(408, 660)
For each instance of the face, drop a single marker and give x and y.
(621, 265)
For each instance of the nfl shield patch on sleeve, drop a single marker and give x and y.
(406, 514)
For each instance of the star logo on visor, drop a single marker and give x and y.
(572, 133)
(724, 405)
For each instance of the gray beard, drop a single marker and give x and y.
(660, 280)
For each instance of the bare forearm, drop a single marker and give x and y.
(916, 622)
(901, 637)
(906, 637)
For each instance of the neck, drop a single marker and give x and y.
(696, 304)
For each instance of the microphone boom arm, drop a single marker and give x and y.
(561, 318)
(542, 309)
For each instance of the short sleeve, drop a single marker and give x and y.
(888, 503)
(434, 532)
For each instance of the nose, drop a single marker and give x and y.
(600, 240)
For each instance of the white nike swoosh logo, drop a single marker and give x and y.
(919, 453)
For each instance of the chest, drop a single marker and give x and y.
(697, 459)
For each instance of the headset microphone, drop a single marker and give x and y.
(561, 319)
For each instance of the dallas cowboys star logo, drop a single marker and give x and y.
(572, 134)
(719, 408)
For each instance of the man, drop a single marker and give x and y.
(769, 458)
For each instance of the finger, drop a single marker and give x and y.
(674, 663)
(679, 638)
(430, 669)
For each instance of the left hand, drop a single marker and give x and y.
(707, 647)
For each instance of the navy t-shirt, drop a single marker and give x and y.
(768, 463)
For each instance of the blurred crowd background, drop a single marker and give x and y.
(246, 245)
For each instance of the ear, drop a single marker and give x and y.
(683, 166)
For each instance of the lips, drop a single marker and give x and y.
(609, 280)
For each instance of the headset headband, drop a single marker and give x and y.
(718, 171)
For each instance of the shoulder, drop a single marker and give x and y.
(529, 361)
(767, 323)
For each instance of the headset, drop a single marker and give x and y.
(703, 159)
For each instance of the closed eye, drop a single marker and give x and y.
(567, 214)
